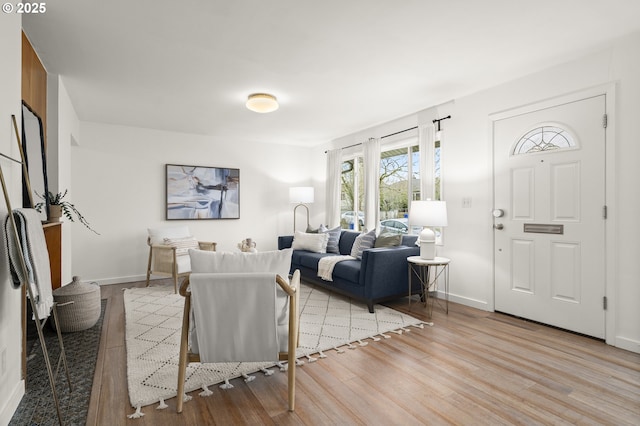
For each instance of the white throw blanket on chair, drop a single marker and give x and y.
(235, 316)
(327, 263)
(36, 258)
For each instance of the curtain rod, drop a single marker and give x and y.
(438, 120)
(381, 137)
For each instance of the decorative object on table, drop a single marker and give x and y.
(78, 305)
(247, 246)
(428, 214)
(300, 195)
(58, 208)
(199, 192)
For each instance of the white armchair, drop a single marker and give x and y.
(242, 310)
(169, 252)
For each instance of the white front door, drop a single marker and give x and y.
(549, 180)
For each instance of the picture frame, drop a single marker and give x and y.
(202, 192)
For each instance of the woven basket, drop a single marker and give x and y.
(84, 312)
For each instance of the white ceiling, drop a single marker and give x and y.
(336, 66)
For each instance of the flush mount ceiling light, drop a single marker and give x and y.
(262, 102)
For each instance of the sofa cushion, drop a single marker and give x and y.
(363, 242)
(346, 241)
(348, 270)
(310, 260)
(316, 243)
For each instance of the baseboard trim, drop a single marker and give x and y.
(473, 303)
(627, 344)
(12, 403)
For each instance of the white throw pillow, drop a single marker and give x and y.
(157, 235)
(316, 243)
(277, 262)
(182, 244)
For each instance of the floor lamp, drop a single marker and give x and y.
(300, 195)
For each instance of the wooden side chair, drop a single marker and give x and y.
(244, 312)
(168, 252)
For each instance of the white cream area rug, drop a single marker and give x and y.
(154, 318)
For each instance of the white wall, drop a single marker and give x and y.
(11, 384)
(467, 173)
(118, 179)
(68, 132)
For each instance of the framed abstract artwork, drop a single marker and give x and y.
(199, 192)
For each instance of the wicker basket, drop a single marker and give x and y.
(84, 312)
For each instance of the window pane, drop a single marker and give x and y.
(394, 183)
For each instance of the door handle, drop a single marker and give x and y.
(498, 226)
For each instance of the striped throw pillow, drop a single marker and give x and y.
(363, 242)
(183, 244)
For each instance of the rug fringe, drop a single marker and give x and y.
(186, 398)
(266, 371)
(205, 391)
(137, 414)
(248, 378)
(337, 349)
(361, 343)
(311, 359)
(226, 385)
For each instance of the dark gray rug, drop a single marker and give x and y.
(37, 406)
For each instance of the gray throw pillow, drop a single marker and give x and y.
(388, 240)
(334, 238)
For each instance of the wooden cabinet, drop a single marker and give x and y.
(53, 236)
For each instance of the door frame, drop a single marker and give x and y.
(610, 248)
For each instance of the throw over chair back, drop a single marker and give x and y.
(169, 252)
(243, 309)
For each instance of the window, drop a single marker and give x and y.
(544, 138)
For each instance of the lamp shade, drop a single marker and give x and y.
(428, 213)
(301, 194)
(262, 102)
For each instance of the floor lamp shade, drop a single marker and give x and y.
(428, 214)
(300, 195)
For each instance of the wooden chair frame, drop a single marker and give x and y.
(168, 251)
(186, 356)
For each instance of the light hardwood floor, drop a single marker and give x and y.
(472, 367)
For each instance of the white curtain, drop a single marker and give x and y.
(334, 173)
(371, 183)
(426, 141)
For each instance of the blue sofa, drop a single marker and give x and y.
(380, 275)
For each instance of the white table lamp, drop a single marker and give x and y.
(300, 195)
(428, 214)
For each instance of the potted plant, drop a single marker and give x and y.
(58, 208)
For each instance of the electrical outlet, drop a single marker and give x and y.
(466, 203)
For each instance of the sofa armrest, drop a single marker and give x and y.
(285, 242)
(384, 270)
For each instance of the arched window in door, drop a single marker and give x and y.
(544, 138)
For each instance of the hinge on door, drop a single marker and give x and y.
(605, 120)
(604, 303)
(604, 212)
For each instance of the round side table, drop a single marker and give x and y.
(421, 269)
